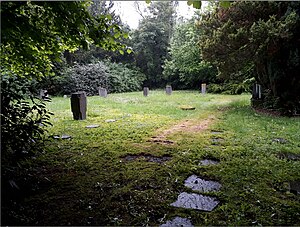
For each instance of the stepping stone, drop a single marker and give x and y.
(290, 156)
(280, 140)
(201, 185)
(62, 137)
(195, 201)
(187, 108)
(92, 126)
(178, 222)
(295, 187)
(207, 162)
(216, 132)
(110, 120)
(217, 140)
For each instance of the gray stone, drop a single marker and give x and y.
(289, 156)
(146, 91)
(280, 140)
(169, 89)
(216, 132)
(195, 201)
(201, 185)
(92, 126)
(148, 158)
(110, 120)
(207, 162)
(178, 222)
(62, 137)
(203, 88)
(78, 105)
(102, 92)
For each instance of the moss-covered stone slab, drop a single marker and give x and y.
(178, 222)
(207, 162)
(195, 201)
(201, 185)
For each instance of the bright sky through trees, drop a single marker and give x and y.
(129, 15)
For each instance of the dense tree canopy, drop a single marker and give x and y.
(33, 34)
(151, 40)
(259, 39)
(185, 68)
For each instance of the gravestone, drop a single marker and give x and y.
(102, 92)
(256, 92)
(65, 96)
(78, 105)
(169, 89)
(203, 89)
(146, 91)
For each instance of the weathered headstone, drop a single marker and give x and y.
(203, 89)
(102, 92)
(78, 105)
(256, 93)
(65, 96)
(169, 89)
(146, 91)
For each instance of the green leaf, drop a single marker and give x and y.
(225, 4)
(121, 52)
(148, 1)
(197, 4)
(129, 51)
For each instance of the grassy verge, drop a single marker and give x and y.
(89, 179)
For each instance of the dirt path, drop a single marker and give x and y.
(192, 125)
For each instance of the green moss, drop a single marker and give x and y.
(91, 183)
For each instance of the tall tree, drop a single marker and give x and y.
(185, 68)
(151, 40)
(261, 39)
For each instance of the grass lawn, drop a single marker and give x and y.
(133, 166)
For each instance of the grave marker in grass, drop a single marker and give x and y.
(146, 91)
(102, 92)
(78, 105)
(168, 89)
(203, 89)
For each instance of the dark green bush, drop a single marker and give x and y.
(23, 117)
(116, 77)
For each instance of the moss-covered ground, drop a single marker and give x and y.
(90, 179)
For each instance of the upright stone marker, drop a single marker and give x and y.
(102, 92)
(256, 93)
(169, 89)
(78, 105)
(203, 89)
(146, 91)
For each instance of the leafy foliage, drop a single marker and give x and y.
(22, 121)
(185, 68)
(151, 41)
(115, 77)
(261, 40)
(33, 34)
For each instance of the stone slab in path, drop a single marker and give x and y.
(92, 126)
(201, 185)
(178, 222)
(195, 201)
(207, 162)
